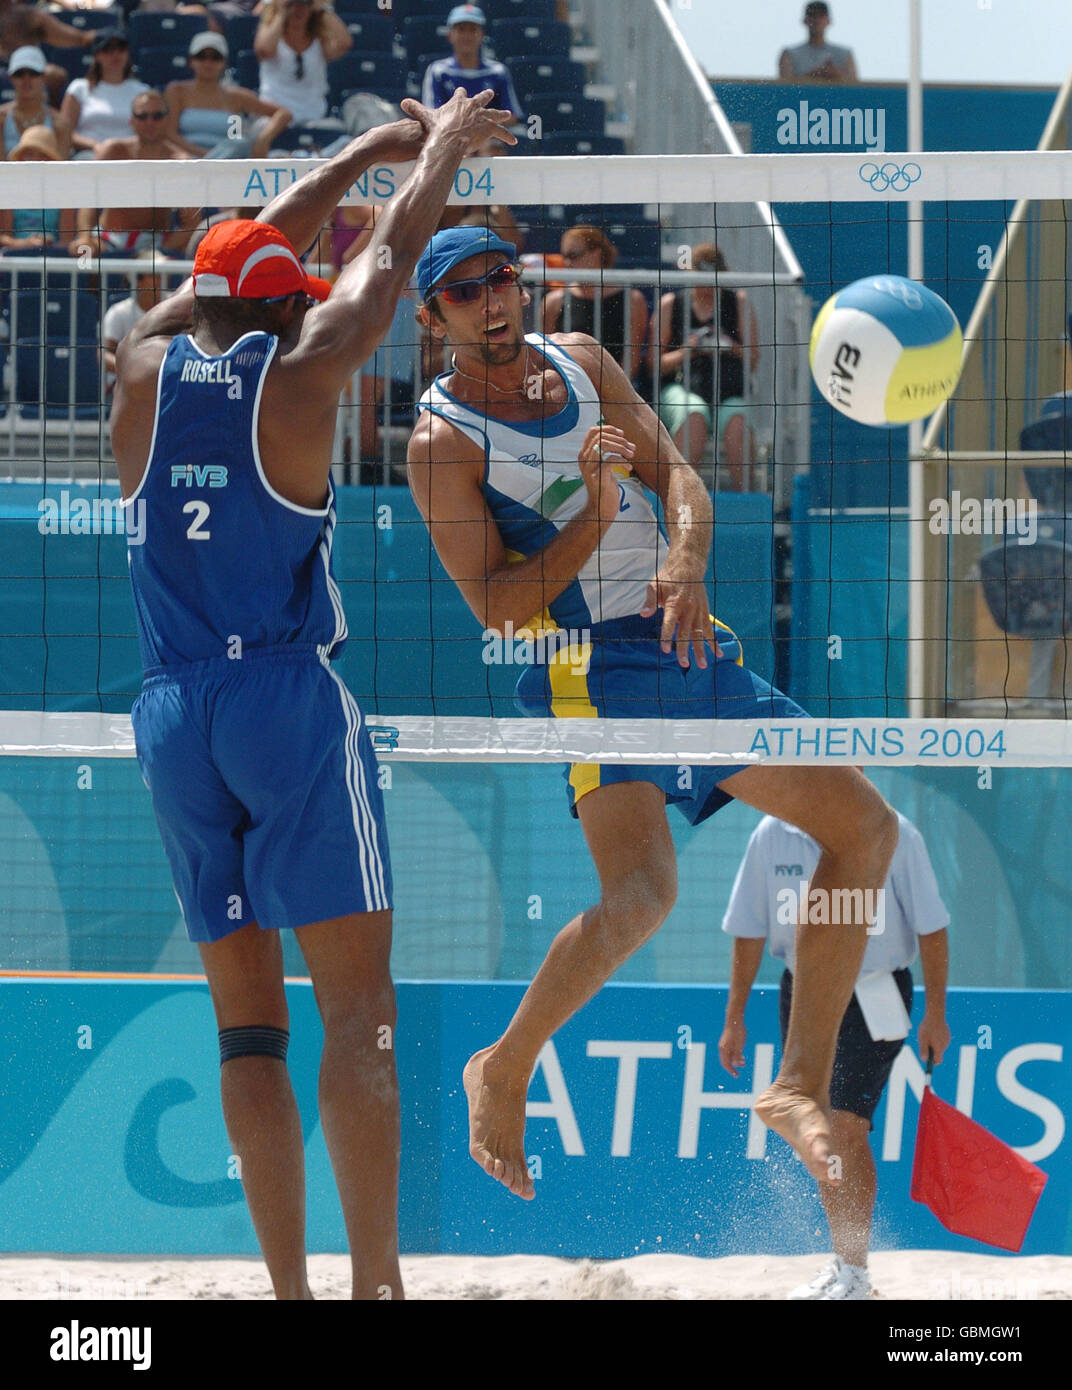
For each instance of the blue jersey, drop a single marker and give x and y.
(443, 77)
(225, 563)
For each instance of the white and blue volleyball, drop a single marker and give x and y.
(886, 350)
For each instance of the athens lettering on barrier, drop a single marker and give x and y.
(907, 1075)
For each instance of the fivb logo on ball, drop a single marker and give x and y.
(886, 350)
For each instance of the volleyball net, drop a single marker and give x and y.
(913, 594)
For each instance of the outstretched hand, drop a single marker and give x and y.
(467, 115)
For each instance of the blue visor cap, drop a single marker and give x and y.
(447, 249)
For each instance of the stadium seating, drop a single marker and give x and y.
(74, 61)
(381, 73)
(162, 30)
(422, 36)
(361, 9)
(534, 75)
(65, 394)
(580, 144)
(159, 66)
(247, 69)
(298, 138)
(510, 37)
(91, 19)
(565, 111)
(371, 33)
(530, 11)
(240, 31)
(31, 312)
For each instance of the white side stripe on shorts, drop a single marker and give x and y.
(365, 827)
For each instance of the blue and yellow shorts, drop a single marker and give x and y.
(629, 676)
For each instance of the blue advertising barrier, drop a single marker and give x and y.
(112, 1138)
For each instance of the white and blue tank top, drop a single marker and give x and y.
(533, 487)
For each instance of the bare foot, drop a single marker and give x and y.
(802, 1123)
(497, 1125)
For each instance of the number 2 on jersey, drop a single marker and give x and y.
(200, 511)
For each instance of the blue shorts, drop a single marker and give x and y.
(630, 677)
(265, 789)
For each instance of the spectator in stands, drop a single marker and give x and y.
(295, 42)
(468, 68)
(135, 231)
(817, 60)
(26, 73)
(23, 26)
(205, 117)
(25, 230)
(147, 286)
(716, 349)
(97, 107)
(624, 315)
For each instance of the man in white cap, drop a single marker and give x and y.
(468, 68)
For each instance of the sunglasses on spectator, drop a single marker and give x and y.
(113, 48)
(210, 54)
(503, 277)
(149, 115)
(26, 72)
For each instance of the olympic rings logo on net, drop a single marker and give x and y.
(899, 177)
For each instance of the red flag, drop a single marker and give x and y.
(975, 1184)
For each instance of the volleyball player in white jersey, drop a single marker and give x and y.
(534, 505)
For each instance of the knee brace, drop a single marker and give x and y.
(257, 1040)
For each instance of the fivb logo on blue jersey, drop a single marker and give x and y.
(198, 475)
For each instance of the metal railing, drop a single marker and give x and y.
(39, 432)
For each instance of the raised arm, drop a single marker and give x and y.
(299, 213)
(335, 38)
(445, 469)
(269, 31)
(345, 330)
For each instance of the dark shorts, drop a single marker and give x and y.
(265, 789)
(861, 1065)
(623, 673)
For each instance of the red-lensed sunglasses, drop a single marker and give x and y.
(503, 277)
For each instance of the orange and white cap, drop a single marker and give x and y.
(240, 259)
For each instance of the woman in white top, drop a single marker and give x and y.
(295, 42)
(201, 109)
(96, 107)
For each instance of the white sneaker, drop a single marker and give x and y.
(838, 1281)
(818, 1286)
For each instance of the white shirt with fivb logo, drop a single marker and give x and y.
(780, 858)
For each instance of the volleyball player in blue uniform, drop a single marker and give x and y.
(532, 464)
(255, 753)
